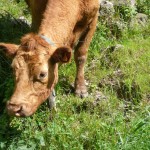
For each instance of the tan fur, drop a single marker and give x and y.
(64, 22)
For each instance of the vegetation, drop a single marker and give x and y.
(116, 115)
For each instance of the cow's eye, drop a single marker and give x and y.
(42, 75)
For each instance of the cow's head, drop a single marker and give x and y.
(35, 65)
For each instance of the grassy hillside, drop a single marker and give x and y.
(116, 115)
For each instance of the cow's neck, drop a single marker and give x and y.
(48, 40)
(58, 24)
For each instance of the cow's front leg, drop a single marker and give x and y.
(80, 56)
(51, 101)
(80, 85)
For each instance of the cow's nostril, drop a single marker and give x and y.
(14, 108)
(19, 110)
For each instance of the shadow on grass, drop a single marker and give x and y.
(7, 133)
(11, 30)
(65, 85)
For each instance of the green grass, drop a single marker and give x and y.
(112, 122)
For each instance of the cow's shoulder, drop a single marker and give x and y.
(89, 7)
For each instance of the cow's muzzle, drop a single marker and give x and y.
(18, 110)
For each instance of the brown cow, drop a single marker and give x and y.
(58, 25)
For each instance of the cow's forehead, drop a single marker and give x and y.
(23, 60)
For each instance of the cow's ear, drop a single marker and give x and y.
(62, 55)
(9, 49)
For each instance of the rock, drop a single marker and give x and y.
(107, 16)
(116, 27)
(118, 47)
(139, 19)
(130, 3)
(24, 20)
(99, 96)
(106, 9)
(21, 21)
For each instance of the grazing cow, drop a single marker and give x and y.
(58, 27)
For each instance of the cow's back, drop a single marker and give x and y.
(86, 7)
